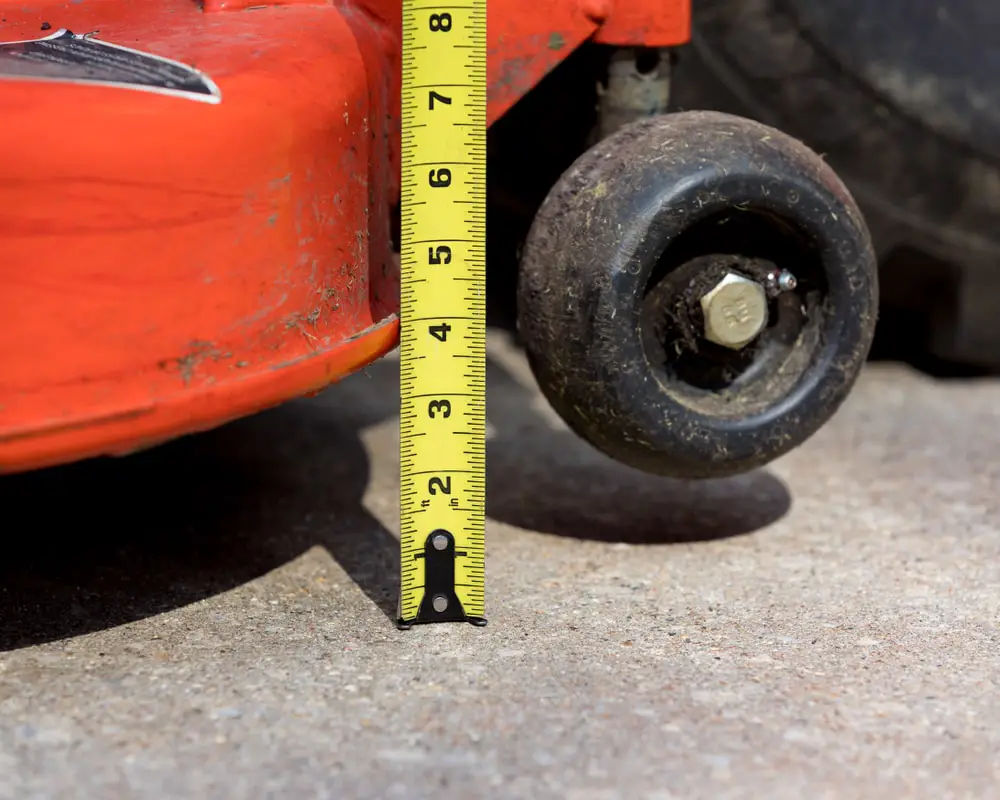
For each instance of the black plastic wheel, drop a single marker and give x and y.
(630, 238)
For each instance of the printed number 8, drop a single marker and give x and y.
(440, 22)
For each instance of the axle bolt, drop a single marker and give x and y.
(735, 311)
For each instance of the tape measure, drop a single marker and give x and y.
(443, 314)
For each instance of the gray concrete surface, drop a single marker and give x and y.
(209, 619)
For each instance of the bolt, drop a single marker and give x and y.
(735, 311)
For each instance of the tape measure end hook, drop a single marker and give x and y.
(407, 624)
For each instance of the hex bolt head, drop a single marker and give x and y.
(735, 311)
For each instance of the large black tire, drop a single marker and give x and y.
(903, 100)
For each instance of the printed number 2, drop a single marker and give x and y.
(435, 485)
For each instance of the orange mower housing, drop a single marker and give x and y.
(171, 261)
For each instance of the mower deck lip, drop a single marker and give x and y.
(134, 427)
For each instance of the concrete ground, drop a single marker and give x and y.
(209, 619)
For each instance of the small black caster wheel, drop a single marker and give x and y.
(697, 295)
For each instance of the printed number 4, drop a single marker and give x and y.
(440, 332)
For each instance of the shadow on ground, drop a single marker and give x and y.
(102, 543)
(98, 544)
(546, 479)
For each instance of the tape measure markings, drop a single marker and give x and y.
(443, 311)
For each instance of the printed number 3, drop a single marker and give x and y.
(435, 407)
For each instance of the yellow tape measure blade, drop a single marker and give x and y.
(443, 314)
